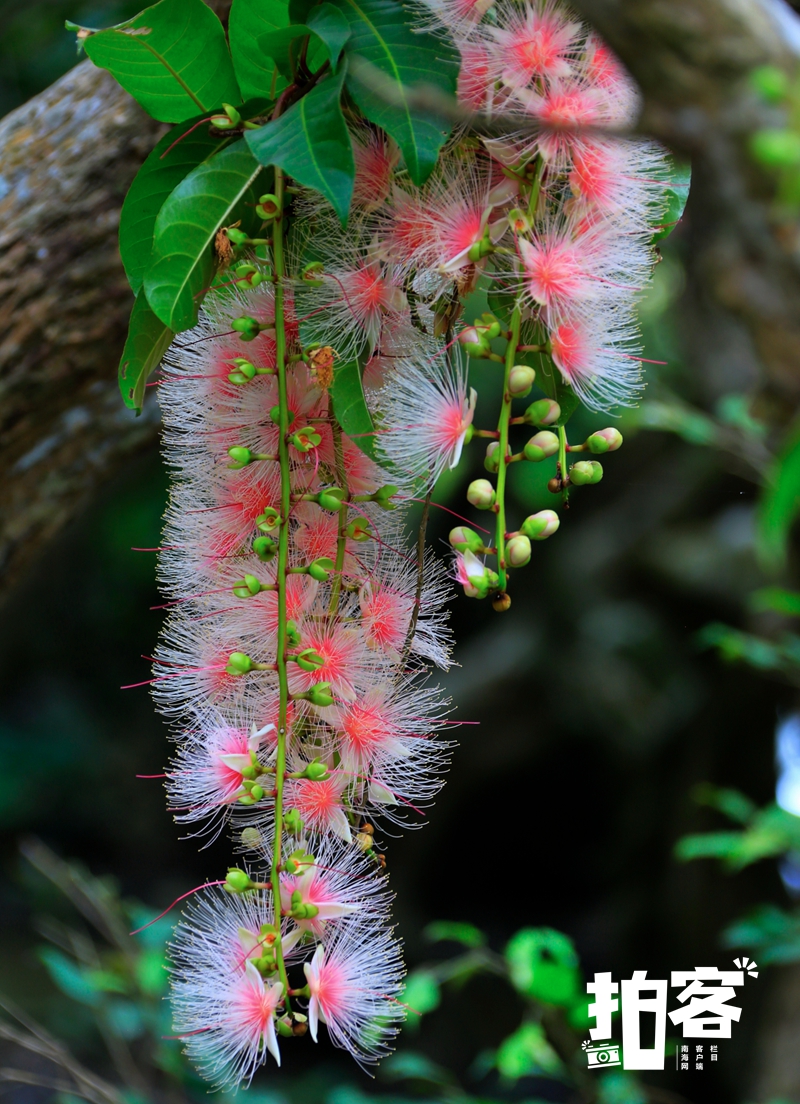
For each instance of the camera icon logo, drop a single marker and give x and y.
(603, 1054)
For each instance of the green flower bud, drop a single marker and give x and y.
(241, 457)
(275, 416)
(243, 372)
(292, 635)
(320, 694)
(605, 440)
(265, 548)
(257, 792)
(489, 325)
(316, 771)
(518, 551)
(238, 237)
(293, 822)
(384, 495)
(474, 343)
(543, 412)
(331, 499)
(321, 568)
(247, 587)
(464, 539)
(309, 660)
(540, 446)
(480, 494)
(237, 881)
(359, 529)
(239, 664)
(247, 328)
(540, 526)
(585, 472)
(492, 459)
(520, 380)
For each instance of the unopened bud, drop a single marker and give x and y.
(293, 637)
(237, 881)
(540, 446)
(293, 822)
(331, 499)
(473, 343)
(321, 568)
(239, 664)
(463, 539)
(492, 459)
(480, 494)
(543, 412)
(488, 325)
(247, 328)
(275, 415)
(257, 792)
(518, 551)
(585, 472)
(501, 602)
(316, 771)
(320, 694)
(520, 380)
(247, 587)
(265, 548)
(384, 495)
(605, 440)
(540, 526)
(241, 457)
(309, 660)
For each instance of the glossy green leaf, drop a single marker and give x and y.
(69, 978)
(249, 22)
(780, 503)
(148, 340)
(331, 26)
(421, 994)
(544, 965)
(156, 180)
(677, 194)
(387, 57)
(777, 599)
(456, 930)
(322, 35)
(172, 58)
(312, 144)
(527, 1053)
(350, 407)
(215, 194)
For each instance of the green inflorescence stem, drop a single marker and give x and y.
(283, 567)
(502, 429)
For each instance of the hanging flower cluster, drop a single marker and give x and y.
(324, 390)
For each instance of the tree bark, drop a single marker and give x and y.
(66, 160)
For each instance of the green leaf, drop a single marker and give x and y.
(387, 57)
(172, 58)
(677, 194)
(551, 382)
(733, 804)
(350, 407)
(527, 1053)
(328, 23)
(312, 144)
(543, 964)
(249, 21)
(777, 599)
(148, 339)
(421, 994)
(156, 180)
(215, 194)
(69, 978)
(773, 933)
(457, 931)
(326, 31)
(780, 503)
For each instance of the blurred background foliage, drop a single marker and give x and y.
(627, 712)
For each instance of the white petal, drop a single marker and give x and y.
(381, 794)
(339, 825)
(237, 762)
(271, 1039)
